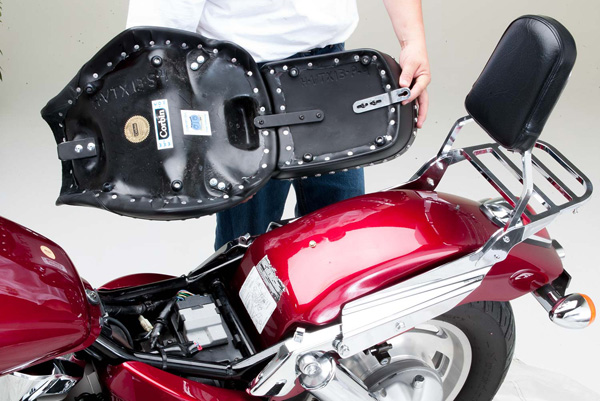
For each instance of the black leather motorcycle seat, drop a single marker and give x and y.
(168, 116)
(166, 124)
(332, 83)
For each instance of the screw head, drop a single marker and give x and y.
(318, 115)
(213, 182)
(365, 60)
(92, 297)
(176, 185)
(201, 59)
(194, 66)
(78, 148)
(156, 61)
(342, 348)
(506, 239)
(312, 243)
(307, 157)
(294, 72)
(90, 89)
(380, 141)
(221, 186)
(399, 325)
(91, 146)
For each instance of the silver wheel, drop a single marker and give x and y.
(433, 359)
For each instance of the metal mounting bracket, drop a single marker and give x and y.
(379, 101)
(78, 149)
(294, 118)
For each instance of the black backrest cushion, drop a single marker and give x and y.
(522, 81)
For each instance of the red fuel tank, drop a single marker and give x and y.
(44, 311)
(316, 264)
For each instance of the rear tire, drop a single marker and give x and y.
(490, 328)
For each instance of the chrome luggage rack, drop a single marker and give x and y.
(430, 174)
(376, 317)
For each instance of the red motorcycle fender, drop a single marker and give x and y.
(136, 381)
(134, 280)
(356, 247)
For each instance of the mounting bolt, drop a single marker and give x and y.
(221, 186)
(91, 146)
(194, 66)
(318, 115)
(312, 243)
(307, 157)
(380, 141)
(92, 297)
(156, 61)
(506, 239)
(294, 72)
(342, 348)
(90, 89)
(176, 185)
(213, 182)
(365, 60)
(301, 116)
(78, 148)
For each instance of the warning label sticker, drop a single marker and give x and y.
(260, 293)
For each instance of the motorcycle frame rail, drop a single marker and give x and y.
(378, 317)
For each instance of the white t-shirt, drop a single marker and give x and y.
(268, 29)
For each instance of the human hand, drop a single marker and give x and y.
(415, 72)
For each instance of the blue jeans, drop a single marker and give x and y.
(312, 193)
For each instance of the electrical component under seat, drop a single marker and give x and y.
(201, 321)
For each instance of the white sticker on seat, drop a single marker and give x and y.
(195, 122)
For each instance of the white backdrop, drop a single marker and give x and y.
(44, 43)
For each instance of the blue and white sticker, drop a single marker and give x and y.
(195, 122)
(162, 124)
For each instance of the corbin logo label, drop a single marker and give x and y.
(162, 124)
